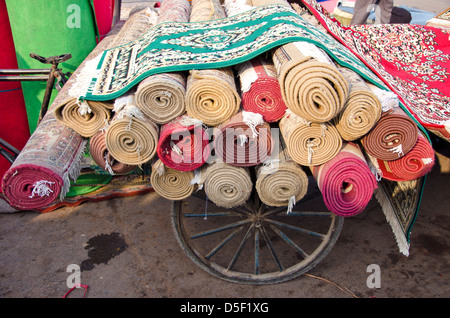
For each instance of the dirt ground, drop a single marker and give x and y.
(126, 248)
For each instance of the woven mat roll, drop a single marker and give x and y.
(260, 88)
(162, 96)
(393, 136)
(183, 144)
(281, 182)
(346, 182)
(131, 138)
(225, 185)
(88, 117)
(415, 164)
(244, 140)
(102, 157)
(311, 84)
(361, 111)
(170, 183)
(309, 144)
(211, 95)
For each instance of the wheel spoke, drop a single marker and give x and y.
(223, 242)
(241, 246)
(210, 214)
(296, 228)
(271, 248)
(257, 252)
(289, 241)
(219, 229)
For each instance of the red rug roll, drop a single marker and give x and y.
(346, 181)
(393, 136)
(183, 144)
(260, 88)
(245, 140)
(415, 164)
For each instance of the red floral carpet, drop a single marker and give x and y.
(412, 60)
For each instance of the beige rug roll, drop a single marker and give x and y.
(131, 137)
(225, 185)
(211, 95)
(162, 96)
(170, 183)
(361, 111)
(311, 84)
(281, 182)
(88, 117)
(309, 144)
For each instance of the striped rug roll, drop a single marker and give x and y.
(415, 164)
(346, 181)
(281, 182)
(162, 96)
(309, 144)
(170, 183)
(102, 157)
(361, 111)
(183, 144)
(393, 136)
(225, 185)
(244, 140)
(311, 84)
(260, 88)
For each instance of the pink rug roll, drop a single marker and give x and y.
(346, 182)
(183, 144)
(415, 164)
(260, 88)
(245, 140)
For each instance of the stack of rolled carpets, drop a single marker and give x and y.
(131, 137)
(309, 144)
(170, 183)
(394, 135)
(226, 185)
(88, 117)
(244, 140)
(415, 164)
(281, 181)
(311, 84)
(361, 111)
(100, 154)
(162, 96)
(211, 95)
(183, 144)
(346, 181)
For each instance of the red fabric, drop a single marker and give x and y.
(415, 164)
(183, 148)
(412, 60)
(13, 122)
(104, 11)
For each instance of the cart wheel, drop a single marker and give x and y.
(254, 243)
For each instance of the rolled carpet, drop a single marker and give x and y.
(100, 154)
(415, 164)
(162, 96)
(393, 136)
(312, 86)
(260, 89)
(346, 181)
(131, 138)
(183, 144)
(170, 183)
(309, 144)
(281, 182)
(225, 185)
(211, 94)
(42, 171)
(244, 140)
(361, 111)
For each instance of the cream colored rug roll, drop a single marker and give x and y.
(225, 185)
(309, 144)
(311, 84)
(211, 95)
(361, 111)
(170, 183)
(281, 182)
(131, 138)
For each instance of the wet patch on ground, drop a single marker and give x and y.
(102, 248)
